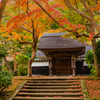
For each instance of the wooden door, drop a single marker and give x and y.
(62, 67)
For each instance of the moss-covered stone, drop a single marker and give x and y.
(85, 91)
(17, 90)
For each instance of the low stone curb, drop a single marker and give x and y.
(47, 78)
(17, 90)
(85, 91)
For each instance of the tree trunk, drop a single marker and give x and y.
(3, 5)
(35, 40)
(97, 67)
(15, 64)
(8, 66)
(30, 62)
(94, 29)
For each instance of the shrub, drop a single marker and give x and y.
(5, 79)
(22, 59)
(89, 57)
(3, 51)
(22, 64)
(22, 70)
(0, 68)
(98, 52)
(90, 61)
(92, 70)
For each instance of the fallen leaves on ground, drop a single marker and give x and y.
(93, 87)
(10, 90)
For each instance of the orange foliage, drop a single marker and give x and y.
(41, 20)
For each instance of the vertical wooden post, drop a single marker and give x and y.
(73, 65)
(50, 67)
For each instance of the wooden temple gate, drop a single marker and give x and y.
(61, 53)
(63, 62)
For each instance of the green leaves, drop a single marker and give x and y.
(22, 64)
(90, 61)
(98, 51)
(5, 79)
(89, 57)
(22, 59)
(3, 51)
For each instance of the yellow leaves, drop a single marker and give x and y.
(3, 29)
(80, 30)
(14, 33)
(54, 31)
(62, 2)
(40, 34)
(97, 18)
(8, 39)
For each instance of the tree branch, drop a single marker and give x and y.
(84, 3)
(97, 35)
(80, 35)
(36, 25)
(33, 31)
(8, 66)
(76, 4)
(26, 42)
(69, 30)
(78, 11)
(26, 29)
(28, 24)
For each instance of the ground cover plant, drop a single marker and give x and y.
(10, 90)
(5, 80)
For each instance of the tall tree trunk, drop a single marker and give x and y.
(30, 62)
(3, 5)
(15, 64)
(94, 29)
(97, 66)
(35, 40)
(8, 66)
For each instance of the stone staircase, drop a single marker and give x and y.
(50, 89)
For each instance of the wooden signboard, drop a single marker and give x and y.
(73, 65)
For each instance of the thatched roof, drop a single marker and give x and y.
(40, 55)
(56, 42)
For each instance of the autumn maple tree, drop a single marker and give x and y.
(26, 25)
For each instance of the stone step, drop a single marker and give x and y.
(51, 84)
(53, 81)
(49, 94)
(52, 78)
(52, 87)
(49, 90)
(47, 98)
